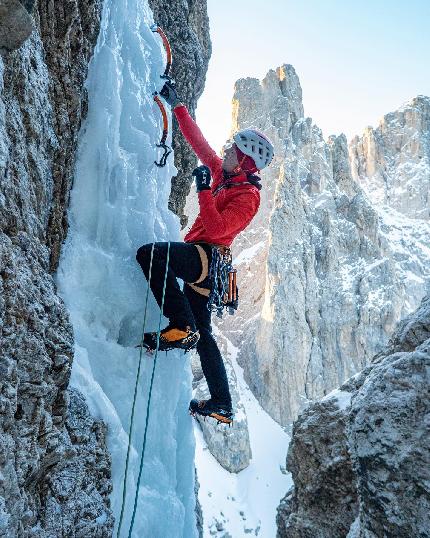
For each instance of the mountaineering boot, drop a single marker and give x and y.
(208, 408)
(171, 338)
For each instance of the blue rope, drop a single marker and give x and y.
(124, 488)
(149, 396)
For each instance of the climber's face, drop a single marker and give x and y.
(230, 162)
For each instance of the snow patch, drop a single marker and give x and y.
(342, 398)
(249, 253)
(244, 504)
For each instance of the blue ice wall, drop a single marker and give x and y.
(119, 202)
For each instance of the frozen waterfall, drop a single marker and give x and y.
(119, 202)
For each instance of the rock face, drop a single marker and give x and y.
(186, 24)
(199, 513)
(16, 25)
(82, 461)
(44, 101)
(360, 457)
(392, 162)
(230, 446)
(323, 501)
(54, 466)
(339, 272)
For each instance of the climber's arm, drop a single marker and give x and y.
(195, 138)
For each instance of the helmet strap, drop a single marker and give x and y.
(238, 168)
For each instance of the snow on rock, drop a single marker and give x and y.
(229, 445)
(119, 202)
(332, 275)
(340, 398)
(243, 504)
(54, 465)
(362, 469)
(322, 501)
(392, 162)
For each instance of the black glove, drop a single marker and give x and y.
(169, 93)
(202, 176)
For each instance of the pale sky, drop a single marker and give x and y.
(356, 60)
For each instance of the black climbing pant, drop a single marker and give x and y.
(187, 307)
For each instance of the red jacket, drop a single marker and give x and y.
(226, 214)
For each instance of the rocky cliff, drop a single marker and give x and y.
(360, 457)
(186, 24)
(229, 446)
(55, 476)
(55, 468)
(339, 271)
(392, 162)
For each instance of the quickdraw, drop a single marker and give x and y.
(162, 144)
(223, 277)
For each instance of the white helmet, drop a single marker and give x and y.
(255, 144)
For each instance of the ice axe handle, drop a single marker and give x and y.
(162, 143)
(159, 31)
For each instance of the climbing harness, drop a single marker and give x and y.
(124, 492)
(162, 144)
(218, 281)
(224, 292)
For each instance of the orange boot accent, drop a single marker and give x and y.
(174, 334)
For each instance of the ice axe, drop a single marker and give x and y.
(162, 144)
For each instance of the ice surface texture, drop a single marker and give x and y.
(119, 202)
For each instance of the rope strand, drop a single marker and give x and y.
(130, 431)
(149, 396)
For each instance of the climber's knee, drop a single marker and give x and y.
(143, 255)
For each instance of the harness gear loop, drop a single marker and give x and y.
(224, 292)
(222, 276)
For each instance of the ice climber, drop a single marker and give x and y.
(229, 198)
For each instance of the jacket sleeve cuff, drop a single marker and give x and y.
(180, 110)
(205, 195)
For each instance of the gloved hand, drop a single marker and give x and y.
(202, 176)
(169, 93)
